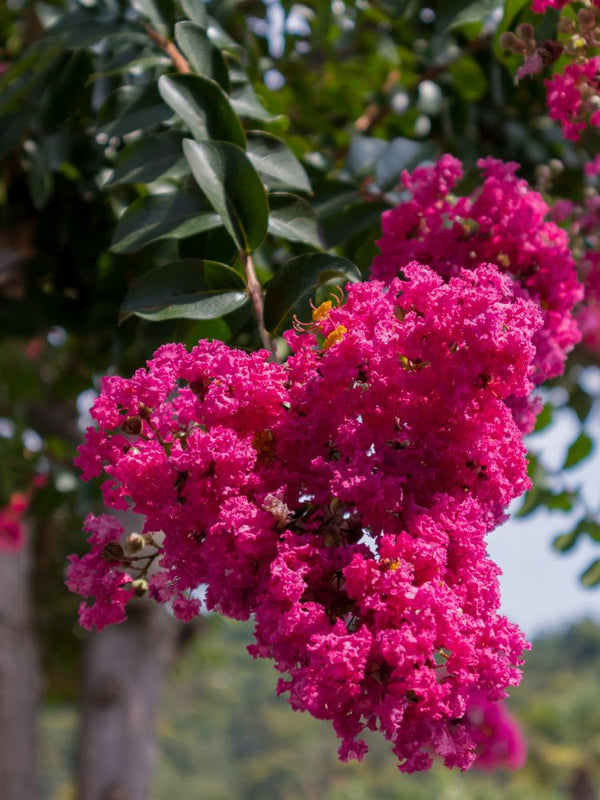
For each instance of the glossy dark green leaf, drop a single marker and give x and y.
(295, 283)
(148, 158)
(591, 576)
(203, 106)
(233, 187)
(82, 27)
(203, 57)
(275, 162)
(292, 218)
(342, 226)
(174, 215)
(133, 108)
(196, 11)
(580, 449)
(157, 12)
(188, 289)
(246, 103)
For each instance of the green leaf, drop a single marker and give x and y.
(453, 14)
(68, 91)
(233, 187)
(275, 162)
(544, 417)
(157, 12)
(132, 108)
(296, 281)
(565, 541)
(591, 576)
(580, 449)
(293, 219)
(559, 501)
(341, 227)
(362, 155)
(469, 79)
(196, 11)
(581, 402)
(247, 105)
(175, 215)
(39, 175)
(399, 155)
(201, 53)
(203, 106)
(148, 159)
(188, 289)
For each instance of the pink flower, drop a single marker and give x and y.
(503, 222)
(572, 97)
(539, 6)
(12, 530)
(499, 739)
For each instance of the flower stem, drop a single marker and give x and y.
(257, 301)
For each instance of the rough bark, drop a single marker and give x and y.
(124, 668)
(20, 678)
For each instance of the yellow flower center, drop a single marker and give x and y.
(322, 311)
(335, 336)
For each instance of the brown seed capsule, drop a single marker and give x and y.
(113, 553)
(132, 425)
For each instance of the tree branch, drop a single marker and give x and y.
(170, 49)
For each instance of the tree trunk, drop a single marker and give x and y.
(20, 678)
(124, 668)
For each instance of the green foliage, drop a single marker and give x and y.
(190, 289)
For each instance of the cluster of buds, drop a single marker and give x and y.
(573, 95)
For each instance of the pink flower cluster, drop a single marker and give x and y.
(500, 742)
(582, 222)
(539, 6)
(502, 222)
(341, 499)
(573, 96)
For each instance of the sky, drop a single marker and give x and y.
(540, 587)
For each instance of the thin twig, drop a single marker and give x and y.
(170, 49)
(257, 301)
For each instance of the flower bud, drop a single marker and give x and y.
(134, 544)
(139, 586)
